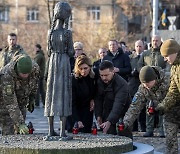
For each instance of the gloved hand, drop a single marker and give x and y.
(30, 106)
(160, 107)
(23, 129)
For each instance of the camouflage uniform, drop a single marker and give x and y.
(153, 57)
(7, 54)
(171, 105)
(40, 60)
(17, 93)
(155, 94)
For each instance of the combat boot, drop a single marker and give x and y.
(161, 134)
(148, 134)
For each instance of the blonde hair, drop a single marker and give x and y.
(78, 45)
(82, 59)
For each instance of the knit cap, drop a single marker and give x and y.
(147, 74)
(169, 47)
(24, 64)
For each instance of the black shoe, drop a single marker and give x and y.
(148, 134)
(161, 134)
(143, 129)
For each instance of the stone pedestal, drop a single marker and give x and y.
(81, 144)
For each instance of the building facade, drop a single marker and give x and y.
(93, 22)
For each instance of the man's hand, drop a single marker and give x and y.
(99, 121)
(160, 107)
(105, 126)
(80, 124)
(92, 105)
(23, 129)
(116, 69)
(30, 106)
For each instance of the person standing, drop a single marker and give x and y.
(134, 82)
(170, 50)
(102, 52)
(153, 57)
(58, 100)
(40, 60)
(78, 49)
(112, 99)
(11, 50)
(19, 81)
(119, 59)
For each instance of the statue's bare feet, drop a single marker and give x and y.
(64, 137)
(47, 138)
(53, 134)
(50, 136)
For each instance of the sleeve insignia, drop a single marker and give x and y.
(8, 90)
(134, 99)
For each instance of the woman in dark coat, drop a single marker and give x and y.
(83, 86)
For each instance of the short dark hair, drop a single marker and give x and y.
(106, 64)
(38, 46)
(12, 34)
(113, 41)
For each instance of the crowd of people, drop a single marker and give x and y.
(142, 88)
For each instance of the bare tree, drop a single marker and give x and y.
(50, 6)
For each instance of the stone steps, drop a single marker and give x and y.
(143, 149)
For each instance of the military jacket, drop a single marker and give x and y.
(40, 60)
(172, 99)
(6, 55)
(143, 96)
(17, 92)
(152, 57)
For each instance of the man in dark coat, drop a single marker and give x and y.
(102, 52)
(112, 100)
(134, 82)
(119, 59)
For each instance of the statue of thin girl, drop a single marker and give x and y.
(59, 86)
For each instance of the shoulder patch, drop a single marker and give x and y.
(8, 89)
(134, 99)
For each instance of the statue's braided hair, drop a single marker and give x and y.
(62, 11)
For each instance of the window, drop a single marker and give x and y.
(93, 13)
(4, 13)
(32, 14)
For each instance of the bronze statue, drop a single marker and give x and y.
(59, 86)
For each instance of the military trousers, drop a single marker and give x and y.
(6, 123)
(171, 129)
(150, 122)
(40, 93)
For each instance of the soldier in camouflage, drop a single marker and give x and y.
(10, 51)
(153, 57)
(170, 50)
(153, 88)
(41, 61)
(19, 81)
